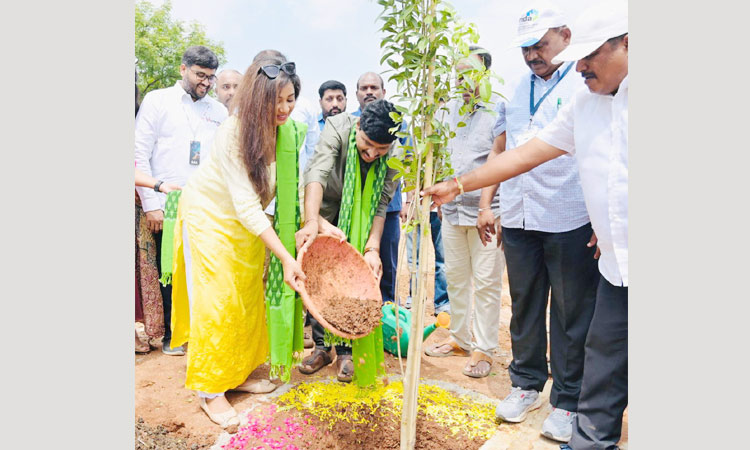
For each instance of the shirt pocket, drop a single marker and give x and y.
(480, 136)
(517, 122)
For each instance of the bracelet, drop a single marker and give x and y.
(158, 185)
(484, 209)
(460, 186)
(371, 249)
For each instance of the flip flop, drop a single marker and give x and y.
(476, 358)
(256, 387)
(228, 420)
(454, 351)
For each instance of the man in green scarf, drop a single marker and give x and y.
(334, 207)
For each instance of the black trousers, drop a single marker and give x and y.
(166, 293)
(604, 393)
(318, 334)
(541, 263)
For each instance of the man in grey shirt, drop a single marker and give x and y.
(467, 262)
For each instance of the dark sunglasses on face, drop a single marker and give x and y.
(272, 70)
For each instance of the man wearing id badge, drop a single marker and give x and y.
(545, 230)
(593, 126)
(174, 130)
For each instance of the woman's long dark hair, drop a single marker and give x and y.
(255, 104)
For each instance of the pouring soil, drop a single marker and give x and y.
(341, 291)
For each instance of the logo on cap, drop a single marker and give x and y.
(531, 15)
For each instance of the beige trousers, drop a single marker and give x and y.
(473, 271)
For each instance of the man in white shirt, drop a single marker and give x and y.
(600, 142)
(226, 85)
(545, 229)
(174, 130)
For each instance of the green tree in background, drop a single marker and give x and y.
(160, 42)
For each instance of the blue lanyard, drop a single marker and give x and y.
(532, 107)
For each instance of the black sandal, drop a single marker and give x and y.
(344, 368)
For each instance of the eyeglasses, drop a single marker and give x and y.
(273, 70)
(202, 76)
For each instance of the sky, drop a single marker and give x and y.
(339, 39)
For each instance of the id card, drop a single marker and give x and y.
(195, 153)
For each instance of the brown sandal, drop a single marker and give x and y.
(477, 358)
(344, 368)
(454, 351)
(316, 361)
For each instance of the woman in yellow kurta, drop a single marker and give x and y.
(221, 229)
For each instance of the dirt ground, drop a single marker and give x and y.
(168, 417)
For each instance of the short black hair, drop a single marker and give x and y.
(484, 54)
(382, 84)
(331, 85)
(376, 121)
(199, 55)
(615, 40)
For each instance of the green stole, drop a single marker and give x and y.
(167, 237)
(283, 305)
(355, 220)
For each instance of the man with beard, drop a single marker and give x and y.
(174, 129)
(226, 85)
(370, 87)
(332, 100)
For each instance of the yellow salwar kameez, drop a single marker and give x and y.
(224, 319)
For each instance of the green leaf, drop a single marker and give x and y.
(388, 54)
(485, 89)
(395, 163)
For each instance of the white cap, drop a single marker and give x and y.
(596, 25)
(535, 20)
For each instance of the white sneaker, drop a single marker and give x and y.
(559, 425)
(517, 405)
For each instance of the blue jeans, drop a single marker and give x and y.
(389, 255)
(441, 291)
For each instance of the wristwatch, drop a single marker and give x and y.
(158, 185)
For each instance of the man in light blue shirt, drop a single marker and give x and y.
(332, 100)
(545, 232)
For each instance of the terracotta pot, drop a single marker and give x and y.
(334, 269)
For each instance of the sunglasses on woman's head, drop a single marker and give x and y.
(273, 70)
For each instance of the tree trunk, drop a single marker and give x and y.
(411, 377)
